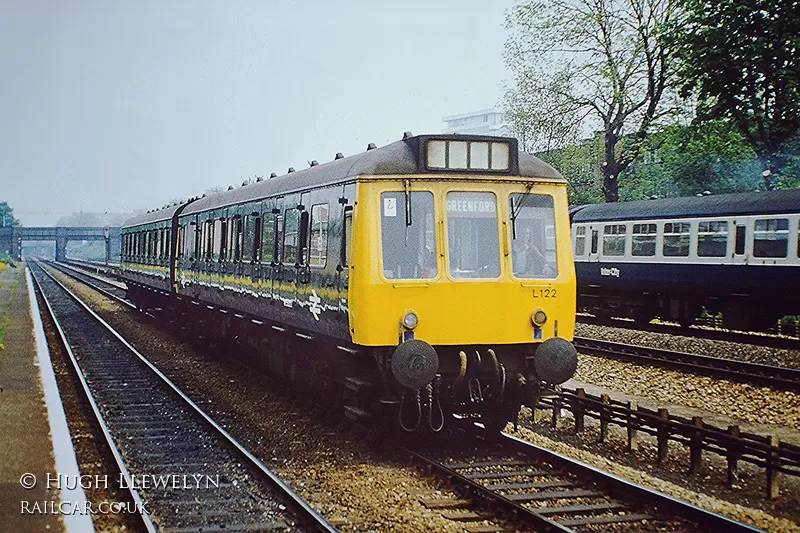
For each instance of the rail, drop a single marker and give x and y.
(149, 380)
(777, 377)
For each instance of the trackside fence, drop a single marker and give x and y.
(731, 443)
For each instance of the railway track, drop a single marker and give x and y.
(509, 484)
(519, 485)
(110, 287)
(704, 331)
(780, 378)
(183, 470)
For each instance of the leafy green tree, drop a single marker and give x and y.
(7, 216)
(684, 160)
(585, 65)
(579, 164)
(741, 59)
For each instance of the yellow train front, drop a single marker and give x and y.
(426, 278)
(462, 283)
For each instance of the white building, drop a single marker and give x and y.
(484, 122)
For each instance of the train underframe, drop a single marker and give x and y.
(488, 383)
(739, 312)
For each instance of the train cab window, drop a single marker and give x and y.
(268, 238)
(580, 241)
(676, 239)
(473, 241)
(643, 240)
(318, 242)
(712, 238)
(771, 237)
(614, 240)
(408, 238)
(532, 234)
(291, 235)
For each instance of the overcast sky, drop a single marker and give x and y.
(115, 106)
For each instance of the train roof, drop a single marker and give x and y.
(400, 157)
(750, 203)
(158, 215)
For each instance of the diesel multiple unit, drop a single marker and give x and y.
(428, 277)
(738, 254)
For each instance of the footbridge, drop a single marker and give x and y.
(11, 239)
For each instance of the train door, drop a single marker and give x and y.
(594, 244)
(251, 244)
(303, 270)
(740, 252)
(266, 260)
(289, 244)
(345, 238)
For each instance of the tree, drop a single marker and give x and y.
(740, 59)
(683, 160)
(582, 65)
(7, 216)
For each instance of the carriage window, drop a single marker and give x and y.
(614, 239)
(676, 239)
(291, 235)
(190, 241)
(472, 236)
(580, 240)
(222, 243)
(712, 238)
(217, 239)
(532, 233)
(167, 243)
(236, 240)
(252, 238)
(318, 245)
(409, 250)
(643, 240)
(347, 235)
(248, 237)
(268, 238)
(208, 239)
(181, 244)
(771, 237)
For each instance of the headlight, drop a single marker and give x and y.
(538, 317)
(410, 320)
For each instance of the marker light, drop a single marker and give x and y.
(410, 320)
(538, 317)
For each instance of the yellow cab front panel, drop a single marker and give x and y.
(473, 257)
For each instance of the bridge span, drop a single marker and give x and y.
(11, 238)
